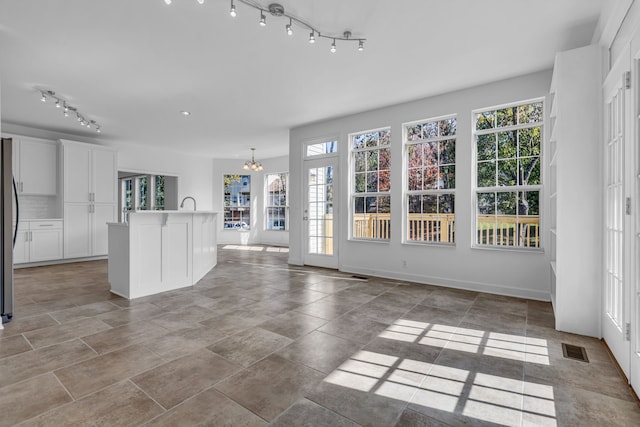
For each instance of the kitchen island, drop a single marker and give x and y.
(158, 251)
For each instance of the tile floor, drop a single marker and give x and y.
(258, 342)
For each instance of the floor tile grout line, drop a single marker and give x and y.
(147, 394)
(235, 401)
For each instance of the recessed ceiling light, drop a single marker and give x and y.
(185, 113)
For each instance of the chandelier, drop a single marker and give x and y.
(252, 164)
(277, 10)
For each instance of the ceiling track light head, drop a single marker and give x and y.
(263, 19)
(333, 46)
(201, 1)
(232, 11)
(289, 27)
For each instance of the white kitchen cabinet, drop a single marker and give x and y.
(90, 173)
(105, 177)
(101, 215)
(38, 240)
(90, 197)
(76, 165)
(21, 249)
(77, 230)
(35, 166)
(86, 229)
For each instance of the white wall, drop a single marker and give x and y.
(194, 173)
(257, 234)
(516, 273)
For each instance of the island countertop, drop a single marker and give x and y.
(180, 211)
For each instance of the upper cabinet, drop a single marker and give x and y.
(35, 166)
(90, 173)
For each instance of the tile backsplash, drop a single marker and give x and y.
(38, 207)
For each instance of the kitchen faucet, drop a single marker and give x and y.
(188, 197)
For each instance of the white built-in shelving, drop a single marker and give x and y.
(574, 188)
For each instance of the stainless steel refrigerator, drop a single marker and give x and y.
(8, 228)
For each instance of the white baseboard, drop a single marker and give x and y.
(449, 283)
(58, 261)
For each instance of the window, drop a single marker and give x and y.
(430, 153)
(141, 192)
(322, 148)
(508, 179)
(371, 191)
(277, 203)
(237, 202)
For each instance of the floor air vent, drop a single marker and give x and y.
(574, 352)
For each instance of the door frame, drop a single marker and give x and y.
(615, 338)
(325, 261)
(634, 118)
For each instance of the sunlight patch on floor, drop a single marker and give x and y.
(506, 346)
(466, 393)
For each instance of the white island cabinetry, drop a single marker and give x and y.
(158, 251)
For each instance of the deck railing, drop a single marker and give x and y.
(500, 230)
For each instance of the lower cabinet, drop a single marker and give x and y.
(85, 232)
(38, 240)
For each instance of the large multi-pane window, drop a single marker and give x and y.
(237, 202)
(508, 175)
(371, 191)
(277, 203)
(430, 153)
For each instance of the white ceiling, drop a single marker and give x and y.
(133, 65)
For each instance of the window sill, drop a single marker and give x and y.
(378, 241)
(430, 244)
(508, 249)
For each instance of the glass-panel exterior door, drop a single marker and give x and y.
(616, 248)
(320, 212)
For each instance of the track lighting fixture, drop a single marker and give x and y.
(252, 164)
(232, 11)
(277, 10)
(60, 102)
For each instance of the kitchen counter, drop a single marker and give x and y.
(159, 251)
